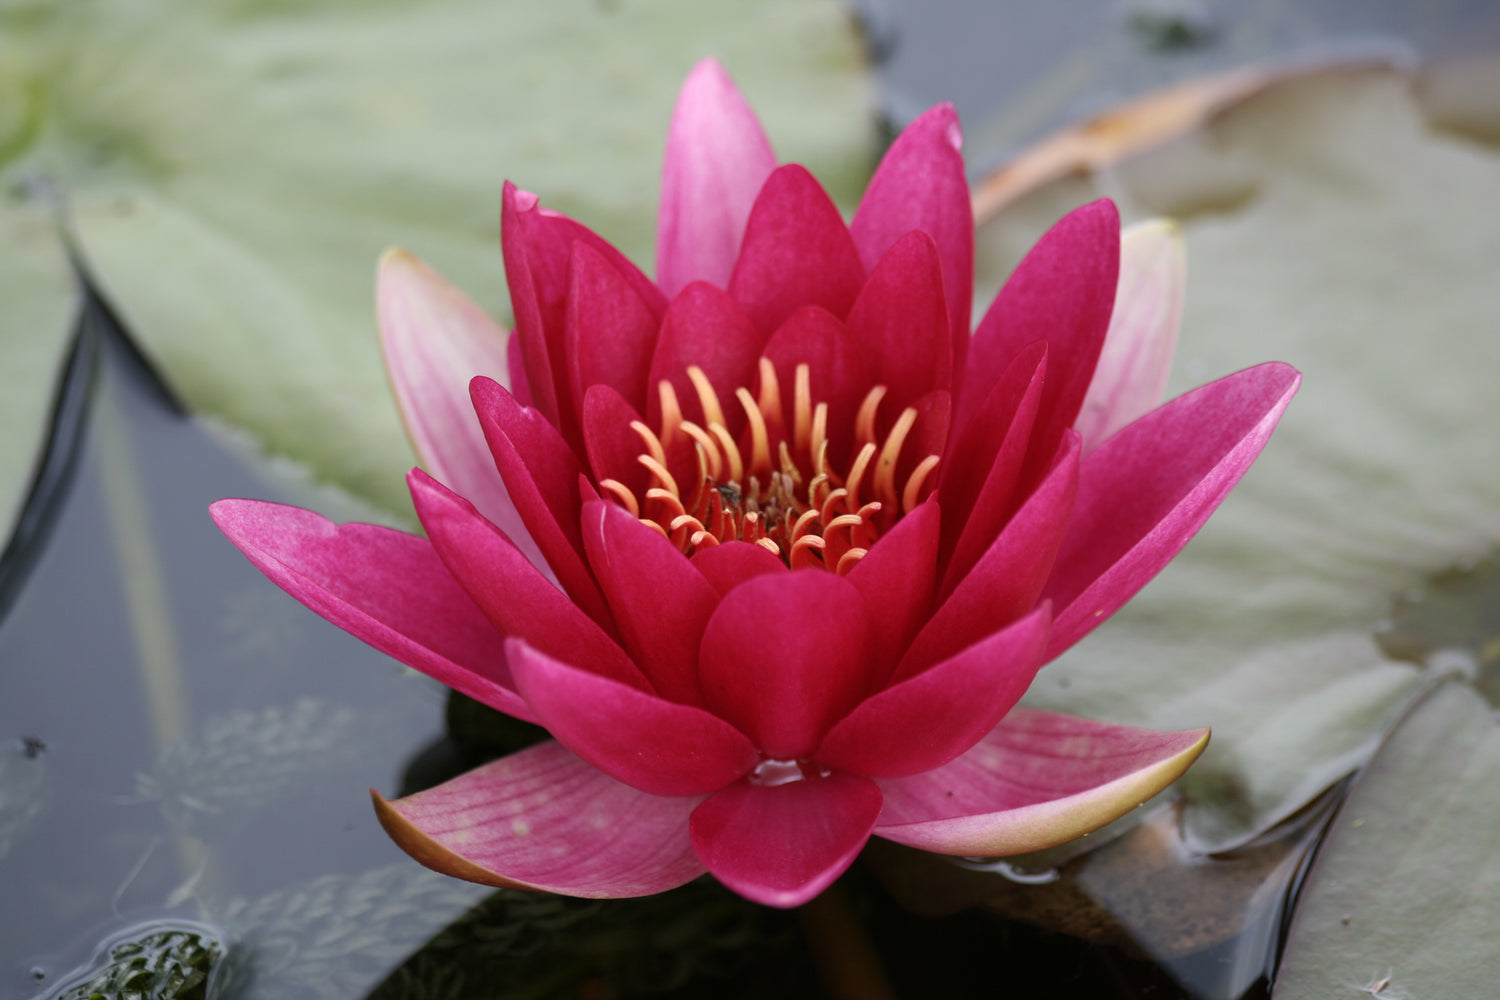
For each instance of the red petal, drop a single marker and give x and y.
(796, 252)
(782, 846)
(385, 587)
(920, 184)
(897, 577)
(717, 159)
(729, 564)
(1038, 780)
(613, 447)
(901, 319)
(1148, 489)
(707, 328)
(543, 819)
(611, 333)
(660, 601)
(839, 371)
(515, 596)
(647, 742)
(515, 373)
(941, 712)
(785, 656)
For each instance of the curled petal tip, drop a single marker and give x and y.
(426, 851)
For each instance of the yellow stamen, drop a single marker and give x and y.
(707, 398)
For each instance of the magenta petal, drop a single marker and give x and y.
(1007, 580)
(941, 712)
(785, 656)
(838, 369)
(901, 318)
(783, 845)
(898, 577)
(796, 252)
(611, 333)
(1039, 779)
(516, 373)
(658, 746)
(729, 564)
(383, 586)
(717, 159)
(543, 819)
(515, 596)
(660, 600)
(704, 326)
(1062, 292)
(1148, 489)
(613, 446)
(541, 472)
(920, 184)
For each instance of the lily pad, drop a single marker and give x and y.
(234, 168)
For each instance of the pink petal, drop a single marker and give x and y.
(541, 472)
(611, 333)
(435, 339)
(649, 743)
(1007, 580)
(897, 578)
(839, 371)
(783, 845)
(941, 712)
(516, 380)
(385, 587)
(613, 447)
(901, 319)
(796, 252)
(785, 656)
(660, 600)
(1148, 489)
(1038, 780)
(1062, 292)
(515, 597)
(729, 564)
(717, 159)
(704, 326)
(543, 819)
(1137, 354)
(920, 184)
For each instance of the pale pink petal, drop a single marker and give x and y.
(920, 184)
(717, 159)
(783, 845)
(380, 585)
(1038, 780)
(647, 742)
(543, 819)
(1148, 489)
(1137, 355)
(927, 720)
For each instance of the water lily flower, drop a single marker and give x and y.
(771, 545)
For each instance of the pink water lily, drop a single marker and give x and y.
(775, 545)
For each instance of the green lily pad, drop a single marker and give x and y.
(1401, 902)
(1328, 226)
(235, 167)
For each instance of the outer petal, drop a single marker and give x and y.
(785, 656)
(796, 252)
(901, 318)
(655, 745)
(515, 597)
(920, 184)
(717, 159)
(1137, 355)
(383, 586)
(942, 711)
(1148, 489)
(435, 339)
(1039, 779)
(543, 819)
(783, 845)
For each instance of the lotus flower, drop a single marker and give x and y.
(775, 546)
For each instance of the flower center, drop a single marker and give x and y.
(775, 485)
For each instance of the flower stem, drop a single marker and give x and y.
(841, 945)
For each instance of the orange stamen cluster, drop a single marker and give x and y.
(785, 498)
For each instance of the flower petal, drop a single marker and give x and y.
(1061, 292)
(941, 712)
(543, 819)
(786, 656)
(383, 586)
(920, 184)
(1148, 489)
(717, 159)
(704, 326)
(796, 252)
(1037, 780)
(610, 331)
(660, 600)
(541, 472)
(897, 577)
(783, 845)
(901, 319)
(649, 743)
(838, 369)
(435, 339)
(729, 564)
(1137, 353)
